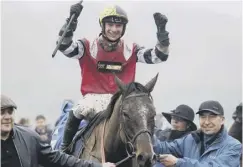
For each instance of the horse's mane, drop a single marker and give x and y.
(132, 87)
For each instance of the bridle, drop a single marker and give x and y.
(129, 143)
(127, 137)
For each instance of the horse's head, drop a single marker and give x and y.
(137, 114)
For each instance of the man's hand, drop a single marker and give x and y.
(43, 137)
(108, 164)
(168, 160)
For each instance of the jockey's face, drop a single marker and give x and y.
(7, 121)
(113, 31)
(210, 123)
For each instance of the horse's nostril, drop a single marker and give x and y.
(146, 160)
(154, 159)
(140, 157)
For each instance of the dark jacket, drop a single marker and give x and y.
(236, 131)
(32, 151)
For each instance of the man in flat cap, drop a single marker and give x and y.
(21, 146)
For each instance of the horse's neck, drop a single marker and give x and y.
(112, 131)
(112, 144)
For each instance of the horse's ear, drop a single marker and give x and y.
(119, 83)
(150, 85)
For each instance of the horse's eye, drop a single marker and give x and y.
(151, 120)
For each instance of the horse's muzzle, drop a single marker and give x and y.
(146, 159)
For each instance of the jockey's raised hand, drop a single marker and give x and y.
(162, 35)
(108, 164)
(76, 9)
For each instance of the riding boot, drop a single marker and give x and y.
(70, 130)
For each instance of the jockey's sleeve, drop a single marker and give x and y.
(154, 55)
(70, 48)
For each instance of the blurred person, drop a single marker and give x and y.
(57, 135)
(42, 129)
(236, 128)
(24, 122)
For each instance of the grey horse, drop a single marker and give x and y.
(123, 132)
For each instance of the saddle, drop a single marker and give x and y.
(77, 145)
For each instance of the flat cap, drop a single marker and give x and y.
(6, 102)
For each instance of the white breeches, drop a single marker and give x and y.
(91, 102)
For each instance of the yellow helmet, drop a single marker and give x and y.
(114, 14)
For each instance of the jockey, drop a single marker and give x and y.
(106, 55)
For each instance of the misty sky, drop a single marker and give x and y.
(204, 62)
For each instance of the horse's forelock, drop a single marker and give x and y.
(132, 87)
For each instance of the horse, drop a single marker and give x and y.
(123, 132)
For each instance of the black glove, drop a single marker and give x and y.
(71, 29)
(73, 25)
(76, 9)
(162, 34)
(160, 21)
